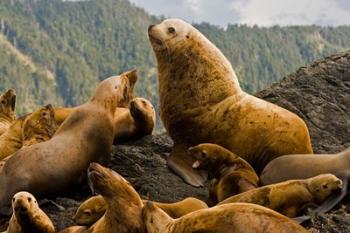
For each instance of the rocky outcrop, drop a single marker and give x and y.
(319, 93)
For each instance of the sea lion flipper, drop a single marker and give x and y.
(181, 164)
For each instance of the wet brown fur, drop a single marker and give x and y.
(237, 217)
(290, 197)
(7, 110)
(201, 101)
(229, 174)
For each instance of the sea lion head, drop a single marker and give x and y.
(155, 219)
(90, 211)
(170, 35)
(8, 104)
(143, 111)
(112, 186)
(322, 186)
(208, 155)
(41, 122)
(116, 91)
(24, 205)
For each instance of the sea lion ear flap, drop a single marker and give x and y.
(132, 78)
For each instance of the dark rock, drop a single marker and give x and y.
(320, 94)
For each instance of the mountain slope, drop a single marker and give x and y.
(82, 42)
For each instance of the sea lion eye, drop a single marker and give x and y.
(203, 155)
(3, 101)
(13, 199)
(324, 186)
(171, 30)
(87, 212)
(29, 199)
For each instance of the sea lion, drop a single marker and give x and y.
(134, 122)
(236, 217)
(303, 166)
(124, 205)
(201, 101)
(7, 110)
(229, 173)
(39, 126)
(94, 208)
(84, 137)
(28, 130)
(27, 216)
(291, 198)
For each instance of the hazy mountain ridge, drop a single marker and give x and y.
(80, 43)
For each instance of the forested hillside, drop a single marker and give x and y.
(55, 52)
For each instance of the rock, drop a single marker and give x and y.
(319, 93)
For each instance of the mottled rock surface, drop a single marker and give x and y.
(319, 93)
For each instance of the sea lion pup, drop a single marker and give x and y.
(85, 136)
(236, 217)
(39, 126)
(27, 216)
(93, 209)
(201, 101)
(291, 197)
(303, 166)
(134, 122)
(124, 205)
(7, 110)
(229, 174)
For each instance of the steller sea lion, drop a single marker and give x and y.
(27, 216)
(132, 123)
(229, 174)
(28, 130)
(303, 166)
(291, 197)
(39, 126)
(201, 101)
(84, 137)
(94, 208)
(236, 217)
(7, 110)
(124, 205)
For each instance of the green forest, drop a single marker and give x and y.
(54, 51)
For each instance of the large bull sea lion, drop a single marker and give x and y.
(201, 102)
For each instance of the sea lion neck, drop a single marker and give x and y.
(188, 73)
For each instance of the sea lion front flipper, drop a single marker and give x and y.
(181, 163)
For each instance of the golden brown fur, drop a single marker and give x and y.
(27, 216)
(7, 110)
(290, 197)
(229, 174)
(39, 126)
(132, 123)
(124, 205)
(201, 101)
(84, 137)
(94, 208)
(237, 218)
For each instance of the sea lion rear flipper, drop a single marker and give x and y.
(181, 163)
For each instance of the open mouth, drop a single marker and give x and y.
(196, 164)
